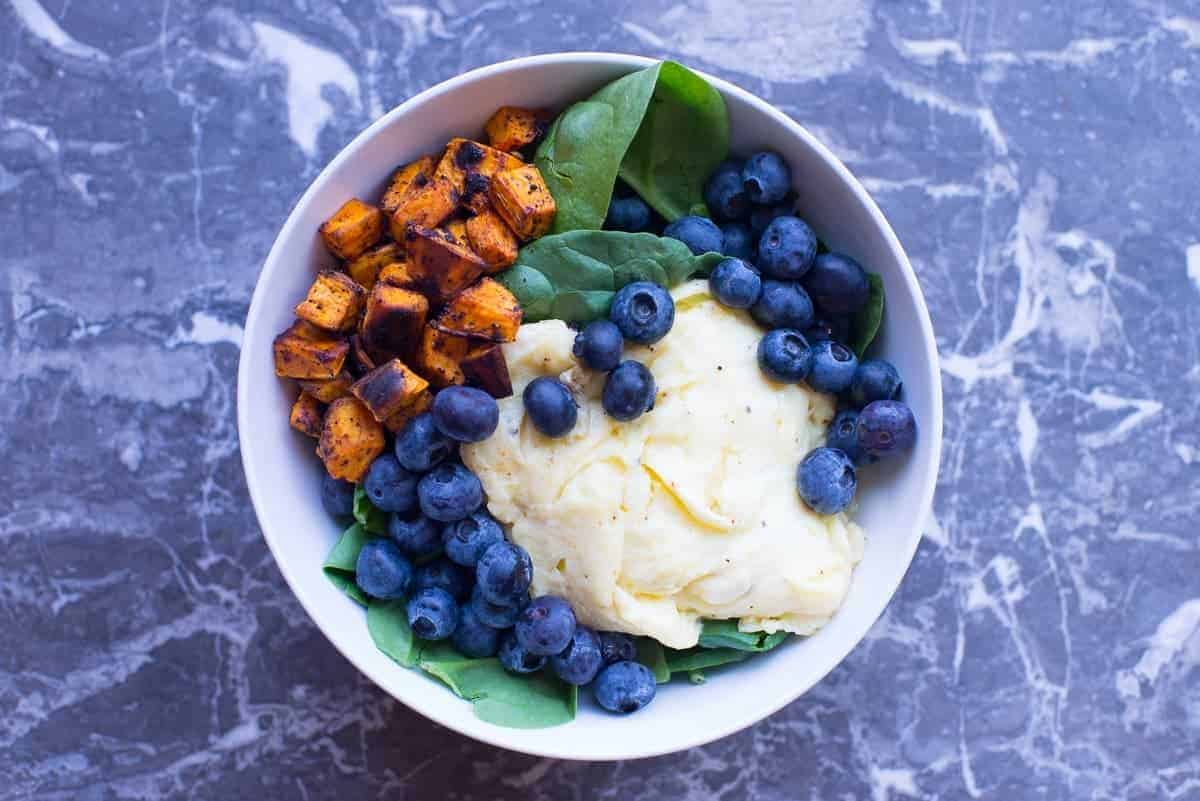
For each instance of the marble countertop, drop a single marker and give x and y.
(1038, 160)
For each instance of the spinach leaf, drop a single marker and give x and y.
(865, 324)
(701, 658)
(651, 653)
(573, 276)
(340, 563)
(369, 517)
(387, 622)
(725, 634)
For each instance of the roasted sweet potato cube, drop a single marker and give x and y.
(469, 167)
(438, 356)
(351, 438)
(352, 229)
(365, 269)
(334, 302)
(439, 267)
(457, 230)
(400, 419)
(329, 390)
(398, 274)
(388, 388)
(492, 239)
(426, 206)
(306, 415)
(404, 180)
(512, 128)
(520, 196)
(393, 321)
(485, 311)
(305, 351)
(485, 367)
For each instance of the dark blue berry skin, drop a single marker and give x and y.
(420, 446)
(472, 638)
(389, 486)
(833, 366)
(449, 492)
(738, 241)
(617, 646)
(337, 496)
(735, 284)
(875, 379)
(498, 616)
(624, 687)
(550, 406)
(724, 193)
(465, 414)
(598, 346)
(580, 661)
(823, 328)
(700, 234)
(885, 428)
(761, 216)
(445, 574)
(416, 535)
(382, 571)
(432, 613)
(627, 214)
(782, 304)
(767, 178)
(826, 480)
(843, 435)
(787, 249)
(837, 284)
(515, 658)
(504, 573)
(546, 625)
(465, 540)
(629, 391)
(784, 355)
(643, 311)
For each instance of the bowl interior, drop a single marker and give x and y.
(284, 475)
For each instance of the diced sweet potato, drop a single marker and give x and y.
(334, 302)
(457, 230)
(411, 176)
(393, 321)
(485, 367)
(305, 351)
(520, 196)
(398, 420)
(512, 128)
(398, 274)
(306, 415)
(492, 239)
(438, 356)
(486, 311)
(351, 438)
(426, 206)
(329, 390)
(439, 267)
(365, 269)
(388, 388)
(352, 229)
(469, 167)
(361, 361)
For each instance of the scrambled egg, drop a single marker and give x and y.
(688, 512)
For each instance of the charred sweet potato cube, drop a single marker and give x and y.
(306, 415)
(305, 351)
(485, 367)
(520, 196)
(469, 167)
(388, 388)
(493, 241)
(352, 229)
(439, 267)
(485, 311)
(393, 320)
(398, 420)
(398, 274)
(404, 180)
(329, 390)
(426, 206)
(512, 128)
(334, 302)
(351, 438)
(365, 269)
(438, 356)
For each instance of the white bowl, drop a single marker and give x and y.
(284, 476)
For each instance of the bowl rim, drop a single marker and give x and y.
(257, 487)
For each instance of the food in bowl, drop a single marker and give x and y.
(570, 459)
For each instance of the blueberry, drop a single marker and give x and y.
(498, 616)
(826, 480)
(787, 248)
(432, 613)
(515, 658)
(382, 571)
(627, 214)
(823, 328)
(449, 492)
(738, 241)
(761, 216)
(875, 379)
(643, 311)
(629, 391)
(546, 625)
(843, 435)
(337, 496)
(598, 346)
(503, 573)
(837, 284)
(465, 414)
(580, 661)
(724, 193)
(550, 406)
(624, 687)
(784, 355)
(735, 284)
(420, 446)
(465, 540)
(389, 486)
(616, 646)
(766, 178)
(445, 574)
(833, 366)
(472, 637)
(886, 427)
(782, 304)
(416, 535)
(700, 234)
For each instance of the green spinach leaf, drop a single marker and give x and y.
(865, 324)
(701, 658)
(651, 653)
(368, 516)
(340, 563)
(387, 623)
(725, 634)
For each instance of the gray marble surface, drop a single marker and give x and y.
(1038, 160)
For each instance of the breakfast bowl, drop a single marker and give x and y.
(284, 479)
